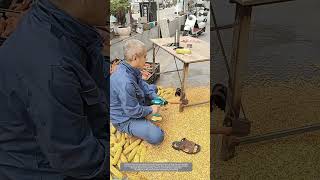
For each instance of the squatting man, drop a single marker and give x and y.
(130, 96)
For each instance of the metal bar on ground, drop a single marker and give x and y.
(228, 26)
(170, 71)
(279, 134)
(258, 2)
(197, 104)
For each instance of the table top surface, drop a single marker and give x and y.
(258, 2)
(200, 50)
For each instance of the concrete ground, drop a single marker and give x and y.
(281, 91)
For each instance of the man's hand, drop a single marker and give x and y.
(155, 109)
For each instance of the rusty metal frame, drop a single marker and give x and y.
(239, 57)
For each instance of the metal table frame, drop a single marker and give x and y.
(241, 30)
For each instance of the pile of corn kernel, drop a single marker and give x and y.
(193, 123)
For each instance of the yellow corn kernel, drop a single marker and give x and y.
(143, 154)
(136, 158)
(123, 158)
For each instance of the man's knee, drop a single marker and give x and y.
(156, 137)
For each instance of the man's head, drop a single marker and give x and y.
(135, 53)
(91, 12)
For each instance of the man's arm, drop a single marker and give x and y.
(63, 130)
(130, 103)
(149, 90)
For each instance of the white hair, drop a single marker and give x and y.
(133, 47)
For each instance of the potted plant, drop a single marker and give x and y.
(119, 9)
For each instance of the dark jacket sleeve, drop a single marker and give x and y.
(63, 129)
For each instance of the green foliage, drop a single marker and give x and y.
(119, 8)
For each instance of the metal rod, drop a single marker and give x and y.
(196, 104)
(258, 2)
(170, 71)
(228, 26)
(279, 134)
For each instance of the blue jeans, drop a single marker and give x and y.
(144, 129)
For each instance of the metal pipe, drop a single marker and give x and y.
(228, 26)
(170, 71)
(279, 134)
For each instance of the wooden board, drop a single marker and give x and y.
(164, 27)
(257, 2)
(200, 49)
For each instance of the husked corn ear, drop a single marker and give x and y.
(118, 164)
(131, 146)
(132, 154)
(122, 136)
(143, 153)
(133, 139)
(121, 143)
(112, 153)
(118, 135)
(113, 137)
(136, 158)
(111, 159)
(113, 150)
(133, 177)
(123, 158)
(127, 143)
(117, 156)
(139, 149)
(116, 172)
(113, 129)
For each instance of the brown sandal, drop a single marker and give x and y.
(186, 146)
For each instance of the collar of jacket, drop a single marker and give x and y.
(131, 69)
(82, 34)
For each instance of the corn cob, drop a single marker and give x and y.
(132, 154)
(127, 143)
(116, 172)
(117, 156)
(131, 146)
(113, 129)
(136, 158)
